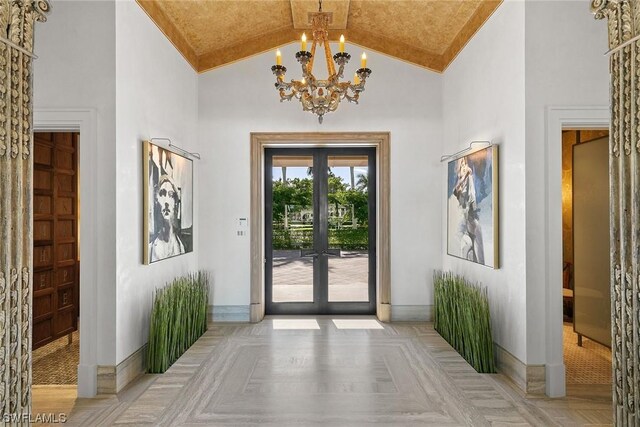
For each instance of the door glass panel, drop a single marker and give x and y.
(292, 228)
(348, 231)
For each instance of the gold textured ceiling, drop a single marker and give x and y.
(212, 33)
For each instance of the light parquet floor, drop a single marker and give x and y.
(319, 372)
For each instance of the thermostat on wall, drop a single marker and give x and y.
(242, 226)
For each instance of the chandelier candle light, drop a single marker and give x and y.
(320, 96)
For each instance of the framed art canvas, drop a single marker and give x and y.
(168, 203)
(472, 207)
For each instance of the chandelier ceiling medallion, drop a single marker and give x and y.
(320, 96)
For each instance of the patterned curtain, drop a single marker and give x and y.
(17, 19)
(624, 168)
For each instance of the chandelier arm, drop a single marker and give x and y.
(282, 87)
(340, 73)
(340, 88)
(306, 74)
(313, 55)
(281, 84)
(355, 89)
(311, 82)
(327, 54)
(335, 102)
(286, 96)
(353, 98)
(303, 88)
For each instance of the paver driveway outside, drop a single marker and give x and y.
(293, 276)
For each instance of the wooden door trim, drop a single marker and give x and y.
(381, 142)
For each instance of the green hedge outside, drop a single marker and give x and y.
(302, 238)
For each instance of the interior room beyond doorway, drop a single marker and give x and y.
(585, 225)
(56, 260)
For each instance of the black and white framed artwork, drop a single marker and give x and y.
(168, 203)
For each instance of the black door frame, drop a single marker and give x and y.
(320, 304)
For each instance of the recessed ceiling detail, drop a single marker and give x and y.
(301, 11)
(212, 33)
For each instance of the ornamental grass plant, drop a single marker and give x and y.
(461, 316)
(178, 319)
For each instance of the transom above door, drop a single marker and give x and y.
(320, 230)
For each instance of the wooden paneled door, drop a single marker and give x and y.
(55, 236)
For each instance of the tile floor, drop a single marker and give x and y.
(318, 371)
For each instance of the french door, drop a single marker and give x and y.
(320, 225)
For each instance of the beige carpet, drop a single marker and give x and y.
(589, 364)
(57, 362)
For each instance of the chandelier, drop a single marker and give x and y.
(320, 96)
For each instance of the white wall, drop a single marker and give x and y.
(484, 99)
(156, 96)
(528, 56)
(109, 56)
(565, 66)
(76, 69)
(240, 98)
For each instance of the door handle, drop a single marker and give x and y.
(309, 254)
(329, 253)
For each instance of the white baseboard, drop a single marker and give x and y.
(411, 313)
(229, 313)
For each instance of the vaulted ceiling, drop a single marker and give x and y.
(212, 33)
